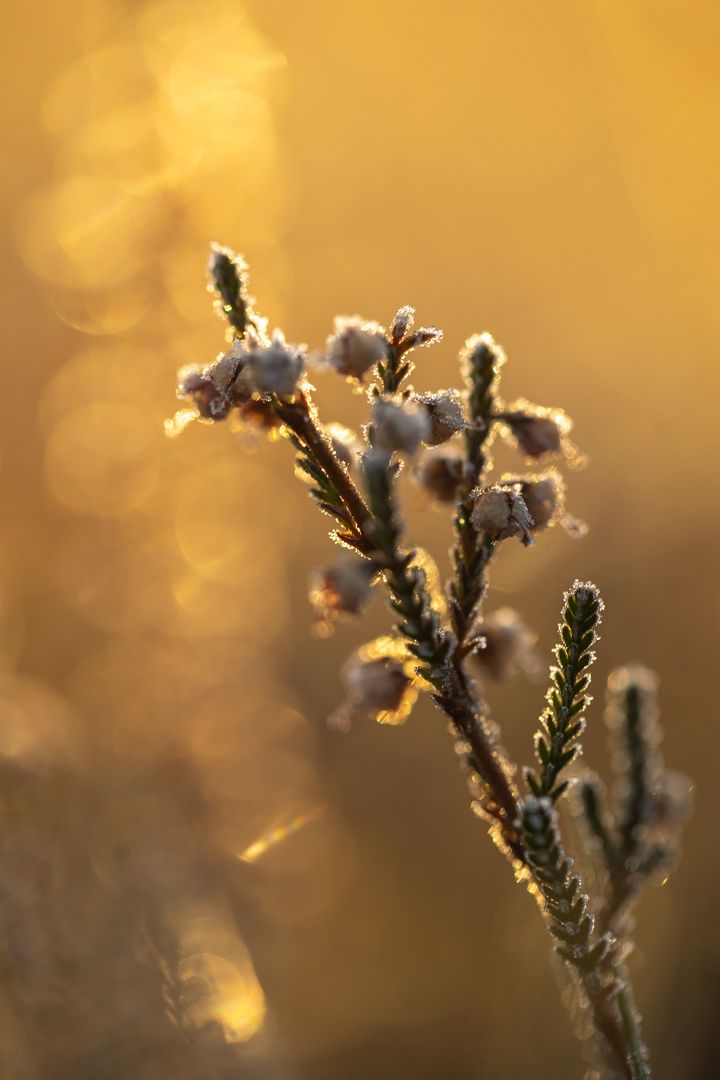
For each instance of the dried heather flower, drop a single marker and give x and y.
(543, 495)
(355, 346)
(506, 648)
(425, 335)
(381, 682)
(501, 513)
(231, 371)
(376, 686)
(402, 322)
(441, 475)
(195, 385)
(343, 588)
(276, 368)
(445, 409)
(399, 425)
(540, 433)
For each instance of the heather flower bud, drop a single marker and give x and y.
(343, 588)
(400, 425)
(230, 380)
(543, 495)
(539, 432)
(227, 272)
(441, 476)
(480, 357)
(501, 513)
(506, 646)
(355, 346)
(402, 322)
(376, 686)
(195, 384)
(230, 372)
(276, 368)
(445, 409)
(426, 335)
(380, 682)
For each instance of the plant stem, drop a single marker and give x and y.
(636, 1055)
(298, 416)
(459, 703)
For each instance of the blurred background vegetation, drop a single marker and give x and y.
(197, 878)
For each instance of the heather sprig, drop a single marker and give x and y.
(481, 361)
(565, 904)
(437, 637)
(562, 723)
(571, 924)
(638, 832)
(227, 273)
(418, 621)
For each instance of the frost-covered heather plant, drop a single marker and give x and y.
(439, 637)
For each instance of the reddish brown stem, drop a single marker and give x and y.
(298, 417)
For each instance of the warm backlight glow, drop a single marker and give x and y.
(218, 981)
(277, 835)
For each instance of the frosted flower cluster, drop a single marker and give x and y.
(251, 368)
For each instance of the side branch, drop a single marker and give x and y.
(298, 418)
(501, 797)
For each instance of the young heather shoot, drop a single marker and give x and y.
(442, 641)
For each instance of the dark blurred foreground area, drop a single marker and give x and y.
(197, 877)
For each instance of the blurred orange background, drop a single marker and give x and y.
(545, 172)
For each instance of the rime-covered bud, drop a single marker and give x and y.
(355, 346)
(276, 368)
(231, 371)
(445, 409)
(402, 322)
(537, 435)
(539, 432)
(224, 370)
(441, 476)
(228, 279)
(426, 335)
(196, 385)
(227, 272)
(219, 386)
(506, 646)
(399, 425)
(543, 495)
(501, 513)
(343, 588)
(481, 355)
(377, 685)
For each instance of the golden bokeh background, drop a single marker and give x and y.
(198, 878)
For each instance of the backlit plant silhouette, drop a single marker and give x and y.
(443, 643)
